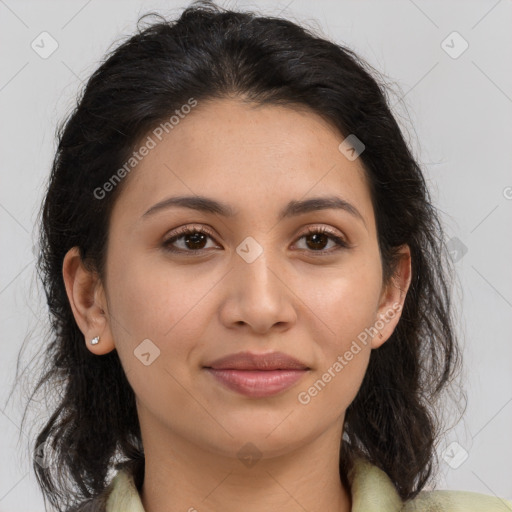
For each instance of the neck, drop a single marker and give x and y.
(182, 476)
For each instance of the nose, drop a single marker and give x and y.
(259, 296)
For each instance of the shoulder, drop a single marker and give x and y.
(372, 491)
(123, 495)
(102, 502)
(456, 501)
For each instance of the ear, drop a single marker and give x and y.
(392, 299)
(87, 299)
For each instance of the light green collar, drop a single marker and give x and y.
(371, 489)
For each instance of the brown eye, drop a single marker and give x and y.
(191, 239)
(194, 240)
(318, 238)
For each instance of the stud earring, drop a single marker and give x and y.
(95, 340)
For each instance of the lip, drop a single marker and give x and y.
(257, 383)
(257, 375)
(253, 361)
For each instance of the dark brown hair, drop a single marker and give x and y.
(209, 53)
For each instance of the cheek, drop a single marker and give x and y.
(150, 302)
(151, 298)
(154, 319)
(341, 317)
(344, 300)
(341, 307)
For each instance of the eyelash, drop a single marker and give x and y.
(189, 230)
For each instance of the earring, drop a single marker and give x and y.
(95, 340)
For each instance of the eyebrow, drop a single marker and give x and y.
(292, 209)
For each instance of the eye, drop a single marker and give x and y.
(319, 237)
(194, 239)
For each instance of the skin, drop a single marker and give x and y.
(198, 308)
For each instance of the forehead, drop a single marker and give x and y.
(251, 156)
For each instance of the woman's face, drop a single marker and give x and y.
(257, 282)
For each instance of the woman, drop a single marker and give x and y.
(248, 282)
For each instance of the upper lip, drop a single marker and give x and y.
(252, 361)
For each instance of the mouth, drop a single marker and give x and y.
(257, 375)
(257, 383)
(254, 361)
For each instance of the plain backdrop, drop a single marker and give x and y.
(450, 63)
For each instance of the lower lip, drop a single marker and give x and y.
(257, 384)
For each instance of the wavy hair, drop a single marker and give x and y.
(209, 52)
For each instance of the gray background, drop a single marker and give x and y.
(456, 112)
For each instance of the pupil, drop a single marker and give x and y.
(197, 238)
(317, 242)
